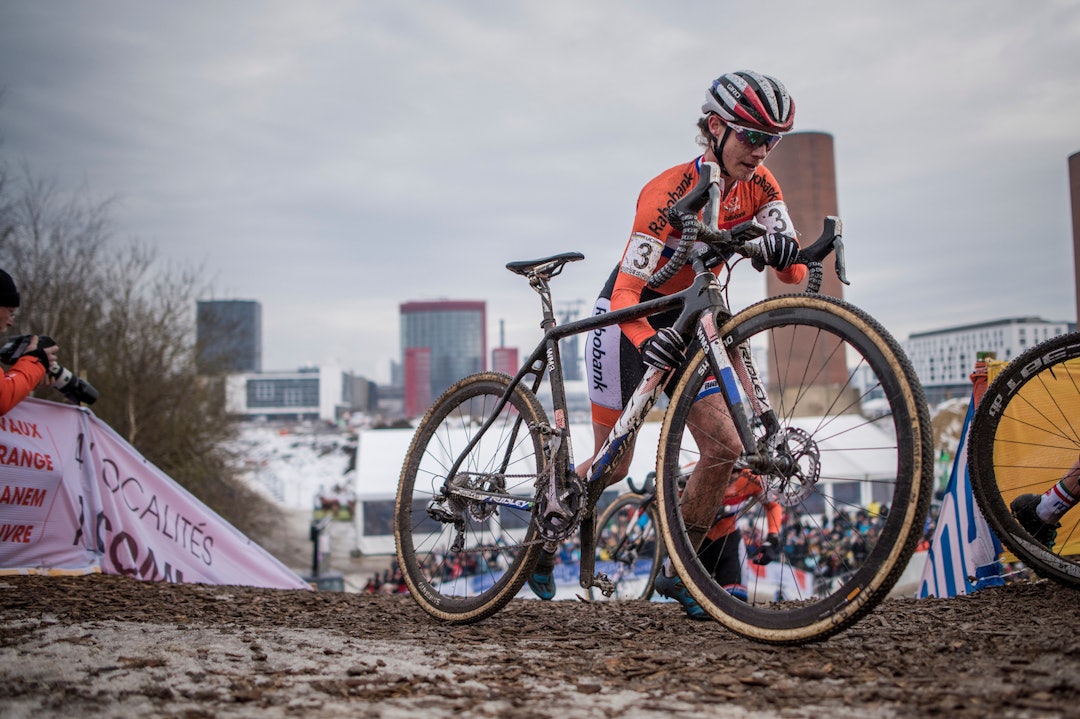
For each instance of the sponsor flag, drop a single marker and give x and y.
(964, 553)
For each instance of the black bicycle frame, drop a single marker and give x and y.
(703, 295)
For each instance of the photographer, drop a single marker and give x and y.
(30, 369)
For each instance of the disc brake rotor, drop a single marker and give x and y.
(795, 487)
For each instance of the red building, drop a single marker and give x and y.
(417, 381)
(505, 360)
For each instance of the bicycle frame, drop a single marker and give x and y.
(703, 309)
(701, 305)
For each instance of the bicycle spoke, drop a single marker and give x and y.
(1024, 438)
(471, 557)
(857, 491)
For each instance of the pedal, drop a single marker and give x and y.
(605, 585)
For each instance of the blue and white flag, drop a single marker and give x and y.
(963, 556)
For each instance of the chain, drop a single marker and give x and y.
(464, 473)
(502, 547)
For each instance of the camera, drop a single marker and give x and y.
(64, 380)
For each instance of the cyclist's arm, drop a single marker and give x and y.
(639, 262)
(644, 253)
(19, 381)
(774, 216)
(772, 212)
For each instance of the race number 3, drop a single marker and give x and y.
(642, 254)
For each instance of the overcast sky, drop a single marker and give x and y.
(335, 159)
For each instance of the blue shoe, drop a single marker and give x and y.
(673, 588)
(542, 581)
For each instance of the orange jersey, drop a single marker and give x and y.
(19, 381)
(653, 241)
(743, 487)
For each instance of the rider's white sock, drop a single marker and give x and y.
(1055, 502)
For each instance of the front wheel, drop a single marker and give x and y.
(466, 544)
(1025, 437)
(629, 549)
(826, 533)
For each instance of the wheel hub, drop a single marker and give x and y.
(797, 469)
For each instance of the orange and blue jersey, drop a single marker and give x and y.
(653, 240)
(613, 363)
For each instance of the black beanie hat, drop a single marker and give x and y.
(9, 296)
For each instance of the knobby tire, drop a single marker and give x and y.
(500, 545)
(847, 538)
(1024, 437)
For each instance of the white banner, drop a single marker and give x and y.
(75, 498)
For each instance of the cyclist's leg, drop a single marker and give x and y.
(1040, 514)
(614, 370)
(719, 446)
(600, 434)
(722, 556)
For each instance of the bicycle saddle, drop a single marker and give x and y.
(546, 267)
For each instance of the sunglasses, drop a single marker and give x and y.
(753, 138)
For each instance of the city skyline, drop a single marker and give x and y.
(333, 160)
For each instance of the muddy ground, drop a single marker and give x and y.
(106, 646)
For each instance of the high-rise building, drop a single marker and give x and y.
(229, 336)
(943, 359)
(454, 332)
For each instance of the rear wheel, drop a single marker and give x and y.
(853, 503)
(464, 558)
(629, 549)
(1025, 436)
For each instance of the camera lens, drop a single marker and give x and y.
(75, 388)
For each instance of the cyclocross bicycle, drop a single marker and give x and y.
(489, 480)
(1025, 436)
(629, 546)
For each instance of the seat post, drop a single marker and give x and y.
(540, 284)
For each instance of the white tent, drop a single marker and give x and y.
(858, 452)
(381, 453)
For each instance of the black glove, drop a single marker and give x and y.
(663, 350)
(777, 251)
(769, 551)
